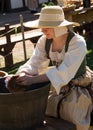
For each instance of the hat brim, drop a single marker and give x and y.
(46, 24)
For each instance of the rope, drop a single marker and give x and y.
(6, 56)
(15, 28)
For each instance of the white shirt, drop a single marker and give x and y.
(69, 62)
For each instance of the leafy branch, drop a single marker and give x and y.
(49, 4)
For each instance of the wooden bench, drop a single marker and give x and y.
(9, 36)
(56, 124)
(59, 124)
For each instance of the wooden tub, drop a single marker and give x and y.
(24, 109)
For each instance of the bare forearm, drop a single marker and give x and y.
(39, 78)
(25, 79)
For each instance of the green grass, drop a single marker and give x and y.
(13, 69)
(90, 53)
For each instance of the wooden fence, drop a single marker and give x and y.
(9, 36)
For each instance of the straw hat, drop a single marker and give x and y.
(50, 17)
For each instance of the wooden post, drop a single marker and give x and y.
(24, 5)
(8, 57)
(22, 30)
(2, 2)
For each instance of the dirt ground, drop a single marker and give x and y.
(13, 18)
(18, 52)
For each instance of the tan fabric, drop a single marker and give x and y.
(85, 79)
(54, 100)
(76, 108)
(52, 104)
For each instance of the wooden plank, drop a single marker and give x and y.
(45, 127)
(56, 124)
(18, 37)
(59, 124)
(80, 15)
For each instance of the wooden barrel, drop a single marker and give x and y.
(3, 74)
(23, 110)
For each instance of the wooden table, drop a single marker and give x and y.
(80, 15)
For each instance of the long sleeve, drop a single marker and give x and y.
(38, 60)
(67, 69)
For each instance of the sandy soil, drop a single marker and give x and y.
(18, 52)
